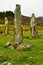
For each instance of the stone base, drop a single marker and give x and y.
(22, 46)
(9, 44)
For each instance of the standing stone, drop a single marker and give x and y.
(18, 32)
(33, 26)
(6, 26)
(17, 26)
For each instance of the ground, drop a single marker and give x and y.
(33, 56)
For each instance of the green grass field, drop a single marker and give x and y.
(31, 57)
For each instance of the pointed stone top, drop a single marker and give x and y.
(18, 7)
(17, 4)
(5, 17)
(33, 15)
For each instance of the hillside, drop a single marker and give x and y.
(39, 21)
(26, 20)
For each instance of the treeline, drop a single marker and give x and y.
(8, 14)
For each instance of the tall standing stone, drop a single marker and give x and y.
(6, 26)
(33, 26)
(18, 32)
(17, 26)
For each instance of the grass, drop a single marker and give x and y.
(32, 57)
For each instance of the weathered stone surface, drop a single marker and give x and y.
(6, 26)
(9, 44)
(6, 63)
(33, 26)
(17, 26)
(24, 47)
(18, 32)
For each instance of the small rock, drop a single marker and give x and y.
(1, 56)
(23, 46)
(6, 63)
(11, 46)
(26, 64)
(31, 57)
(30, 37)
(8, 44)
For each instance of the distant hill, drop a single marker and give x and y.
(26, 20)
(39, 20)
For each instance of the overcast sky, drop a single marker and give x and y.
(27, 6)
